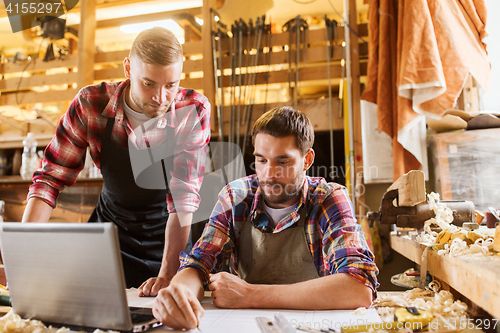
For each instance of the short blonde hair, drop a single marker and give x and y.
(156, 46)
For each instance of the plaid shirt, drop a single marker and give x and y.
(83, 126)
(332, 233)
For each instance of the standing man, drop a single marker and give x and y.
(149, 137)
(292, 240)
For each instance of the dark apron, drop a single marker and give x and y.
(275, 258)
(139, 213)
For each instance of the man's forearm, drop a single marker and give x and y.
(176, 238)
(337, 291)
(191, 278)
(37, 210)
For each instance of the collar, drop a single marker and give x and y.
(257, 207)
(114, 108)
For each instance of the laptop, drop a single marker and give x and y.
(69, 274)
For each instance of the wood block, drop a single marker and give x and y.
(496, 242)
(411, 188)
(447, 123)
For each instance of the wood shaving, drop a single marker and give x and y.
(408, 280)
(453, 240)
(440, 303)
(360, 311)
(13, 323)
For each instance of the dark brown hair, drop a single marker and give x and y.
(285, 121)
(156, 46)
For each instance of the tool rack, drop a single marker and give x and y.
(54, 82)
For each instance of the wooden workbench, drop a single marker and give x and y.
(477, 278)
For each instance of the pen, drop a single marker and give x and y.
(198, 325)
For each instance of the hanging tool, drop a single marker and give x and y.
(214, 55)
(221, 76)
(330, 111)
(267, 29)
(258, 29)
(242, 27)
(287, 27)
(232, 84)
(298, 26)
(297, 59)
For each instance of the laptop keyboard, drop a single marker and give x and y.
(141, 315)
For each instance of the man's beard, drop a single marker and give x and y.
(281, 193)
(142, 106)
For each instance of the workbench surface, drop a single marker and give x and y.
(475, 277)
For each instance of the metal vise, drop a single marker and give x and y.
(415, 216)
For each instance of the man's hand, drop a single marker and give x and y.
(177, 307)
(231, 292)
(152, 286)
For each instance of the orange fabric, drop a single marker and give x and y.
(420, 54)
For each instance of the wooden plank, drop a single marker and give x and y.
(305, 74)
(360, 208)
(196, 84)
(114, 56)
(314, 38)
(38, 65)
(192, 48)
(13, 123)
(316, 109)
(408, 248)
(173, 14)
(36, 97)
(109, 74)
(470, 96)
(36, 81)
(313, 54)
(411, 188)
(192, 66)
(477, 278)
(86, 43)
(17, 142)
(316, 35)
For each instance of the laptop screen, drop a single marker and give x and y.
(67, 273)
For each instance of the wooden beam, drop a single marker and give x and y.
(36, 81)
(313, 55)
(306, 74)
(356, 109)
(316, 110)
(192, 48)
(478, 280)
(13, 123)
(208, 65)
(173, 14)
(86, 43)
(411, 188)
(38, 65)
(99, 5)
(36, 97)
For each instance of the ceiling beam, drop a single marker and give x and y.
(100, 4)
(143, 18)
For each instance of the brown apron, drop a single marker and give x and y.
(275, 258)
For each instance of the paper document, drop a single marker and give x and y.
(218, 320)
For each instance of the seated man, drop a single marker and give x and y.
(293, 240)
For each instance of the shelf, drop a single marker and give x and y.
(477, 278)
